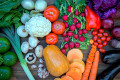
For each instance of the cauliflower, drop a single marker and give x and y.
(38, 26)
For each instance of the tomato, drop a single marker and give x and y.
(99, 34)
(100, 46)
(108, 38)
(94, 32)
(105, 34)
(99, 41)
(101, 31)
(104, 43)
(51, 38)
(102, 50)
(51, 13)
(95, 43)
(95, 37)
(58, 27)
(103, 38)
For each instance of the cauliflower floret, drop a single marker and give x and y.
(38, 26)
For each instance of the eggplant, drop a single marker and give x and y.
(111, 56)
(109, 73)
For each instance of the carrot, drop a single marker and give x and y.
(57, 79)
(74, 73)
(77, 65)
(93, 72)
(74, 54)
(91, 41)
(89, 63)
(66, 78)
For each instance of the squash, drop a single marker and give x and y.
(57, 79)
(56, 62)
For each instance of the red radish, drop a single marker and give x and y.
(76, 12)
(74, 20)
(64, 34)
(72, 27)
(65, 17)
(78, 25)
(71, 44)
(84, 31)
(76, 36)
(69, 9)
(66, 24)
(63, 50)
(69, 34)
(82, 14)
(81, 38)
(66, 39)
(80, 32)
(66, 46)
(77, 45)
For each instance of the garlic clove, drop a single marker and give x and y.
(40, 65)
(33, 66)
(40, 60)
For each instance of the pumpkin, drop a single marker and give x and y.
(56, 62)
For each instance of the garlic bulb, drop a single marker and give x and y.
(21, 31)
(39, 51)
(33, 41)
(25, 47)
(25, 17)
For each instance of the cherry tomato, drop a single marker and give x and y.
(95, 43)
(104, 43)
(51, 38)
(99, 34)
(100, 46)
(95, 37)
(94, 32)
(103, 38)
(99, 41)
(108, 38)
(51, 13)
(101, 31)
(58, 27)
(105, 34)
(102, 50)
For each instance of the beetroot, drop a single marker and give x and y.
(81, 38)
(63, 50)
(72, 27)
(76, 12)
(80, 32)
(69, 34)
(76, 36)
(71, 44)
(78, 25)
(66, 24)
(66, 39)
(69, 9)
(77, 45)
(64, 34)
(65, 17)
(84, 31)
(74, 20)
(82, 14)
(66, 46)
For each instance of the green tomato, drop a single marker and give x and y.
(4, 45)
(9, 58)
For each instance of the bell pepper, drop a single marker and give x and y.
(92, 19)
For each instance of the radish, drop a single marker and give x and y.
(82, 14)
(69, 9)
(66, 39)
(81, 38)
(66, 24)
(76, 36)
(64, 34)
(78, 25)
(84, 31)
(66, 46)
(69, 34)
(63, 50)
(74, 20)
(71, 44)
(76, 12)
(65, 17)
(77, 45)
(72, 27)
(80, 32)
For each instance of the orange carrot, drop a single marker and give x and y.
(89, 63)
(91, 41)
(93, 72)
(66, 78)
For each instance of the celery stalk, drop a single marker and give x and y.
(14, 39)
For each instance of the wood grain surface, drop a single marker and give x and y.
(18, 73)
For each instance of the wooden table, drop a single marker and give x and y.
(18, 73)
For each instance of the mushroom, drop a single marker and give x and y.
(39, 51)
(33, 41)
(30, 58)
(25, 47)
(21, 31)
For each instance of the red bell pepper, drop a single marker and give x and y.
(92, 19)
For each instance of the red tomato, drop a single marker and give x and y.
(100, 46)
(104, 43)
(101, 31)
(58, 27)
(105, 34)
(94, 32)
(103, 38)
(99, 34)
(108, 38)
(95, 37)
(99, 41)
(51, 38)
(102, 50)
(95, 43)
(51, 13)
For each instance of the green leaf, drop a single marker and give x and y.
(56, 3)
(62, 44)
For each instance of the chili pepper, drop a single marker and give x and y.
(92, 19)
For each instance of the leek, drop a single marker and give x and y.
(11, 35)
